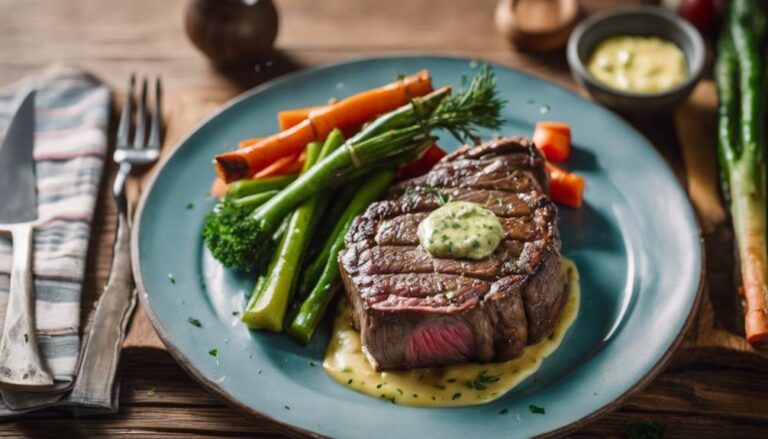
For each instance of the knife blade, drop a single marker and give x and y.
(21, 367)
(18, 199)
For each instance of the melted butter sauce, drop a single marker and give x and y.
(458, 385)
(638, 64)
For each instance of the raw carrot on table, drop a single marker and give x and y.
(564, 187)
(352, 111)
(553, 140)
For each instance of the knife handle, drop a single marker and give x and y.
(20, 365)
(93, 385)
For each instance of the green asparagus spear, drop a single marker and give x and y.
(242, 188)
(268, 310)
(312, 309)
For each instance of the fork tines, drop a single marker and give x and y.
(140, 149)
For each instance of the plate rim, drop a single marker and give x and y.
(213, 388)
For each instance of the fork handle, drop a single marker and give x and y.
(93, 385)
(21, 367)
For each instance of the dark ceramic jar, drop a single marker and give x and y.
(232, 31)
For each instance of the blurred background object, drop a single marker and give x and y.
(632, 22)
(537, 25)
(701, 13)
(232, 31)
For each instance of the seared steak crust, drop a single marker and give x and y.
(413, 310)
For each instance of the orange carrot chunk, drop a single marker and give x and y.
(553, 140)
(352, 111)
(564, 187)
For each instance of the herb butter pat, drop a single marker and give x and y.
(461, 230)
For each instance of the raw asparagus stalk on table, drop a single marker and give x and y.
(740, 72)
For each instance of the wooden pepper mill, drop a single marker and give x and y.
(232, 31)
(537, 25)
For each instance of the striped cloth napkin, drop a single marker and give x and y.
(72, 113)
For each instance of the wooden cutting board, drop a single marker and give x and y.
(716, 334)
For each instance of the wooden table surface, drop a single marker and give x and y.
(715, 386)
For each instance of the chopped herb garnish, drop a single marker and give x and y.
(503, 411)
(450, 380)
(215, 353)
(434, 399)
(400, 391)
(482, 380)
(456, 396)
(536, 409)
(378, 386)
(349, 381)
(646, 430)
(415, 395)
(235, 313)
(194, 322)
(286, 407)
(312, 364)
(151, 392)
(190, 206)
(440, 386)
(26, 338)
(171, 278)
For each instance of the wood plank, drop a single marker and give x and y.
(715, 386)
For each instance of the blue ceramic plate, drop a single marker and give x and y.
(635, 241)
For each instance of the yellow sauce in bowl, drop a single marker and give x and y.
(638, 64)
(458, 385)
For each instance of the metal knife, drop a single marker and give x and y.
(20, 365)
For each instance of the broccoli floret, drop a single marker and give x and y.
(234, 237)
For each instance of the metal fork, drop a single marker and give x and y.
(94, 383)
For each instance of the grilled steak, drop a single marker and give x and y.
(414, 310)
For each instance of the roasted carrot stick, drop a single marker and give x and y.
(277, 167)
(294, 167)
(287, 165)
(248, 142)
(289, 118)
(352, 111)
(219, 188)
